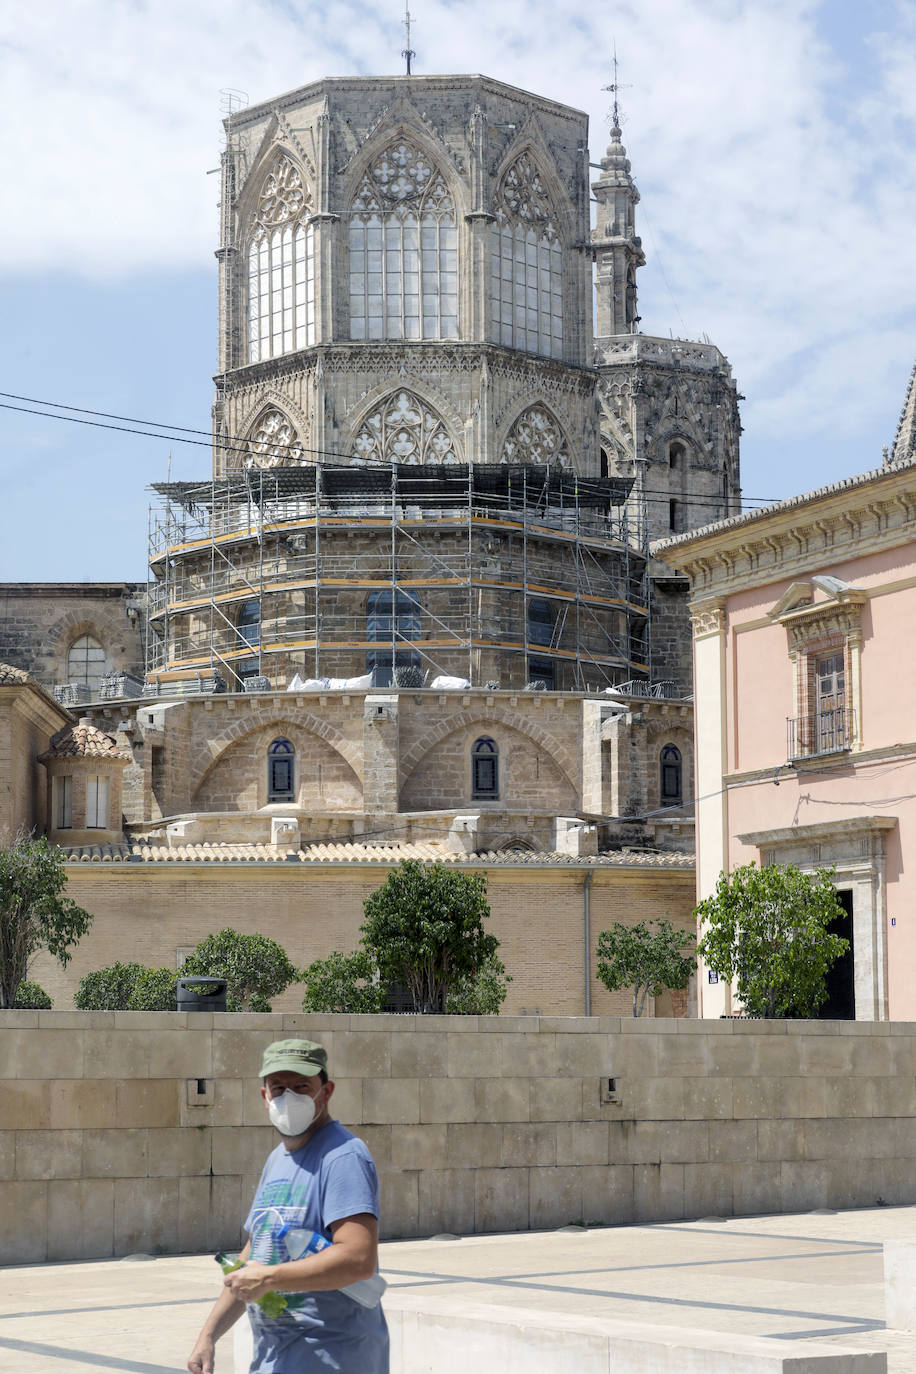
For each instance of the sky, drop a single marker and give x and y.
(773, 143)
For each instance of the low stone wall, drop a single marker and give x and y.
(132, 1132)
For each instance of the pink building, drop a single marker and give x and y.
(804, 620)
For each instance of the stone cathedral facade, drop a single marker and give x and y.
(425, 464)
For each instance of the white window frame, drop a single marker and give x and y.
(62, 801)
(98, 801)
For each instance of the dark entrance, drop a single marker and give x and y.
(841, 996)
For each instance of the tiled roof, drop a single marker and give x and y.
(83, 741)
(18, 677)
(147, 849)
(13, 677)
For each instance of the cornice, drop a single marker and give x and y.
(836, 524)
(823, 830)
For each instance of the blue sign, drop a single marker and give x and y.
(713, 977)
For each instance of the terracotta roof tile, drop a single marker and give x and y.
(13, 677)
(151, 849)
(83, 741)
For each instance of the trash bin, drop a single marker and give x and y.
(201, 994)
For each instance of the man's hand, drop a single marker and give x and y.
(200, 1360)
(250, 1282)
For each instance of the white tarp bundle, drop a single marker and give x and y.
(449, 684)
(331, 684)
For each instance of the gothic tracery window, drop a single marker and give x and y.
(402, 429)
(281, 266)
(526, 264)
(403, 250)
(535, 438)
(274, 442)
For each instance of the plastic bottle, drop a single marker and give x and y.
(367, 1292)
(272, 1304)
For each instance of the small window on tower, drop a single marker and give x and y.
(671, 778)
(281, 758)
(677, 455)
(485, 769)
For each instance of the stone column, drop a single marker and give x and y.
(710, 751)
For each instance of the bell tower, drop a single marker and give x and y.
(616, 247)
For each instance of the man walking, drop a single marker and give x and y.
(320, 1178)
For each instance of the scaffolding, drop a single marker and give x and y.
(428, 567)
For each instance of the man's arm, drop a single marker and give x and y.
(352, 1255)
(226, 1311)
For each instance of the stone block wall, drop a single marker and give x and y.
(39, 621)
(131, 1132)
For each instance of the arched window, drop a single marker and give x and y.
(526, 264)
(281, 761)
(671, 776)
(484, 769)
(535, 438)
(540, 621)
(86, 662)
(604, 463)
(403, 429)
(403, 250)
(393, 618)
(281, 266)
(249, 623)
(273, 442)
(677, 455)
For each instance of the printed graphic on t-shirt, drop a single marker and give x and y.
(275, 1210)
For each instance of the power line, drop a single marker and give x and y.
(152, 429)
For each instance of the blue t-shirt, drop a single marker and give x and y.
(330, 1178)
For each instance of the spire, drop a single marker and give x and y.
(904, 449)
(616, 247)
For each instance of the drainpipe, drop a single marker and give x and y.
(588, 941)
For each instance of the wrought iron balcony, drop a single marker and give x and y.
(823, 732)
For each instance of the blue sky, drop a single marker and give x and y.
(772, 140)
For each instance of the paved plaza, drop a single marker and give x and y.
(814, 1276)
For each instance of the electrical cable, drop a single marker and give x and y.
(150, 429)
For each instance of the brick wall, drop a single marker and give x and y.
(476, 1124)
(146, 912)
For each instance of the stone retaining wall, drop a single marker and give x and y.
(134, 1132)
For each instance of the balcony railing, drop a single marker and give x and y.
(823, 732)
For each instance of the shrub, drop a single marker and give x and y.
(108, 989)
(32, 997)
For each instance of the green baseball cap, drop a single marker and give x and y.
(294, 1056)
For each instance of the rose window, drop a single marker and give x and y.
(274, 442)
(535, 438)
(403, 430)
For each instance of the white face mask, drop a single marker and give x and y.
(292, 1113)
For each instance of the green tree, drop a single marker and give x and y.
(480, 996)
(343, 982)
(768, 929)
(108, 989)
(32, 996)
(35, 914)
(646, 960)
(424, 928)
(255, 967)
(424, 933)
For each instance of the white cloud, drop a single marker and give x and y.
(780, 193)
